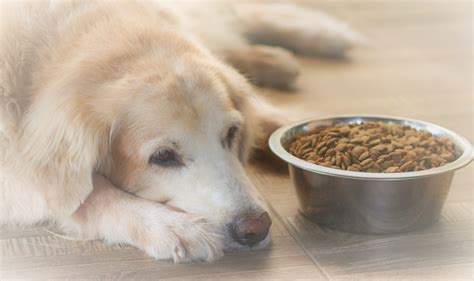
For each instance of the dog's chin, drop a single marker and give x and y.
(230, 245)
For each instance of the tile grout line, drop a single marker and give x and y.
(300, 244)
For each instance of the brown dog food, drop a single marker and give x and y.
(373, 147)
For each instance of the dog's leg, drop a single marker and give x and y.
(163, 232)
(265, 65)
(301, 30)
(219, 30)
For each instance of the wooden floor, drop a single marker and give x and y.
(420, 66)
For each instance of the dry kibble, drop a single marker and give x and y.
(373, 147)
(375, 141)
(338, 159)
(331, 141)
(346, 159)
(322, 151)
(352, 168)
(364, 156)
(341, 146)
(366, 162)
(380, 147)
(358, 150)
(391, 170)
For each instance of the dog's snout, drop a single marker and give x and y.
(249, 230)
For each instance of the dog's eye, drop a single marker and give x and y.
(164, 157)
(231, 135)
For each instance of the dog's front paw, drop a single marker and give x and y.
(180, 236)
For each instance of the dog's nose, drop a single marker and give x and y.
(249, 230)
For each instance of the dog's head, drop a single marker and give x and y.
(179, 125)
(181, 140)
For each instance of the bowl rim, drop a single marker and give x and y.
(277, 148)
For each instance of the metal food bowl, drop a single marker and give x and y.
(375, 203)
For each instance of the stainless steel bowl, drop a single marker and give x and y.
(369, 202)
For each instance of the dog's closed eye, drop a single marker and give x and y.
(231, 134)
(165, 157)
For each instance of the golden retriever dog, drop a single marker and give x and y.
(130, 121)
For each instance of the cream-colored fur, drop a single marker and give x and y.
(92, 91)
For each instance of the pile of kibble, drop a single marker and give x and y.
(373, 147)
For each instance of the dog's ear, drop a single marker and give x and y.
(260, 118)
(260, 121)
(265, 120)
(60, 144)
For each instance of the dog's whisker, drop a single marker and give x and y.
(64, 236)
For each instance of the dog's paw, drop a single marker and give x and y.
(266, 66)
(180, 236)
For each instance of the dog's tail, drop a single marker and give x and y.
(303, 31)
